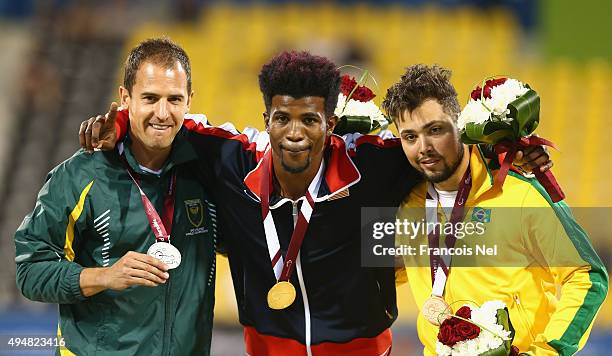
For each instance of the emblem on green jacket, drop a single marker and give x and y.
(481, 215)
(195, 212)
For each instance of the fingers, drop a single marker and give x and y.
(143, 274)
(95, 130)
(156, 274)
(135, 281)
(547, 166)
(151, 261)
(88, 147)
(112, 112)
(82, 134)
(518, 157)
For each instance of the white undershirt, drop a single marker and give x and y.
(447, 201)
(158, 172)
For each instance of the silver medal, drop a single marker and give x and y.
(166, 253)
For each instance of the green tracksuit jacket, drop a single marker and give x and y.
(89, 214)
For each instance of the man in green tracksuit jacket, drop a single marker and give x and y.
(85, 244)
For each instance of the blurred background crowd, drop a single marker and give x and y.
(62, 62)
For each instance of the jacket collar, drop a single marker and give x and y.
(181, 152)
(340, 173)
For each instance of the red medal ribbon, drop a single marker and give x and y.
(299, 231)
(160, 226)
(457, 213)
(547, 179)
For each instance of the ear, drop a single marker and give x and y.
(124, 94)
(332, 121)
(266, 118)
(189, 97)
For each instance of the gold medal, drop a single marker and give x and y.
(435, 310)
(281, 295)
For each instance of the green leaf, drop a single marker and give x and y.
(526, 113)
(351, 124)
(503, 318)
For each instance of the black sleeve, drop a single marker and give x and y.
(386, 173)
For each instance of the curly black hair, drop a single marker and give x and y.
(419, 83)
(300, 74)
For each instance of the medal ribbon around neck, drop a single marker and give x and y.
(161, 226)
(283, 270)
(440, 267)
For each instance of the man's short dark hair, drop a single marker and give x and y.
(160, 51)
(300, 74)
(420, 83)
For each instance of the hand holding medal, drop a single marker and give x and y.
(161, 249)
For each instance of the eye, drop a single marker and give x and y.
(149, 98)
(281, 119)
(175, 99)
(310, 120)
(436, 130)
(409, 137)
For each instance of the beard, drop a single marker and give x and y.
(294, 169)
(448, 169)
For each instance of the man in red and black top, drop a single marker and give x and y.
(340, 307)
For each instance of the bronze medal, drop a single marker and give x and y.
(281, 295)
(435, 310)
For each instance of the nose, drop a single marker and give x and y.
(424, 145)
(295, 131)
(162, 110)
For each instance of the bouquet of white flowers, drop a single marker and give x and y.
(356, 108)
(481, 331)
(504, 113)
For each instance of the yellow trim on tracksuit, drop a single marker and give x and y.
(63, 350)
(74, 216)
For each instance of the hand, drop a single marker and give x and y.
(133, 269)
(99, 131)
(534, 157)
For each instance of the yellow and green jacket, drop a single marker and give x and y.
(89, 214)
(546, 270)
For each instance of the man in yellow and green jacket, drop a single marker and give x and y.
(545, 269)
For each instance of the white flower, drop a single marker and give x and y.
(473, 112)
(485, 316)
(340, 105)
(494, 108)
(442, 349)
(359, 108)
(504, 94)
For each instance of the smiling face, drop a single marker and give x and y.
(157, 105)
(430, 140)
(298, 129)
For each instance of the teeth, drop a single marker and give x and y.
(159, 127)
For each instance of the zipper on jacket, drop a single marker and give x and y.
(298, 268)
(295, 212)
(167, 318)
(523, 315)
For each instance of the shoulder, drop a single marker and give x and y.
(78, 170)
(524, 191)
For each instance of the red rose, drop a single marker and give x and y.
(489, 84)
(466, 331)
(514, 351)
(465, 312)
(446, 335)
(476, 93)
(495, 82)
(487, 92)
(347, 84)
(363, 94)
